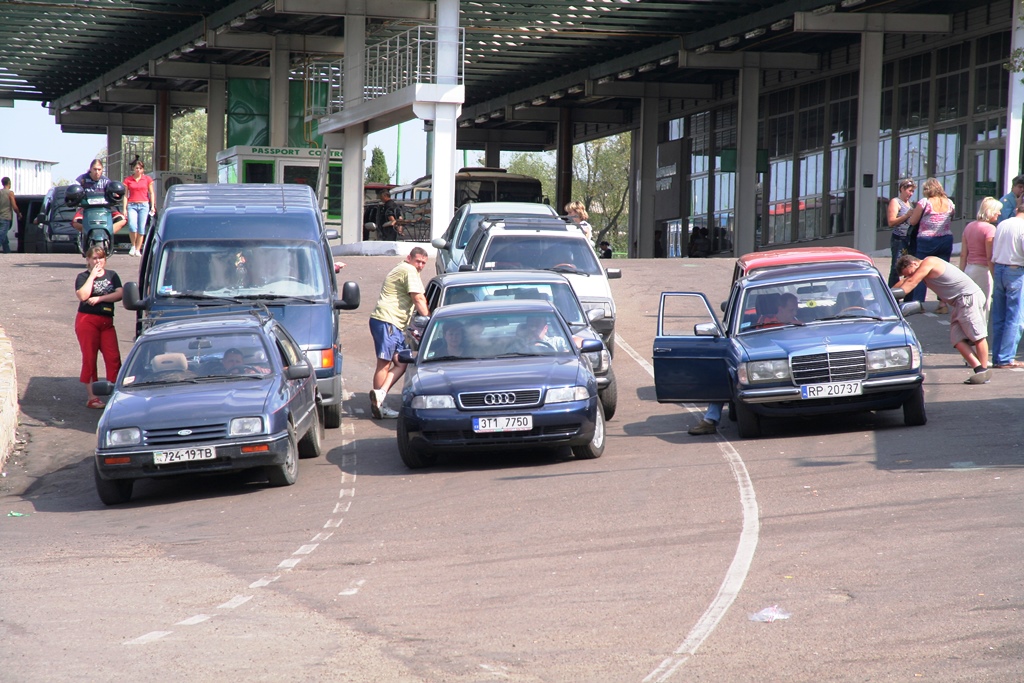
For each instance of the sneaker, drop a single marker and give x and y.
(375, 403)
(388, 413)
(132, 252)
(982, 377)
(703, 427)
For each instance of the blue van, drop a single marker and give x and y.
(232, 247)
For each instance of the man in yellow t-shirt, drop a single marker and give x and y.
(401, 293)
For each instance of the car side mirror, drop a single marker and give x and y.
(349, 297)
(103, 387)
(131, 298)
(300, 370)
(911, 308)
(613, 273)
(439, 243)
(723, 305)
(595, 314)
(406, 356)
(591, 346)
(331, 234)
(706, 330)
(466, 268)
(370, 226)
(898, 294)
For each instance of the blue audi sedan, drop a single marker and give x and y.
(216, 393)
(498, 375)
(842, 346)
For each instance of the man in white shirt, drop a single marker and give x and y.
(1008, 281)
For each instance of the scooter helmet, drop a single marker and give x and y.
(114, 192)
(73, 195)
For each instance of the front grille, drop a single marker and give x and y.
(836, 366)
(500, 399)
(197, 434)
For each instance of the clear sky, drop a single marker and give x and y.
(29, 132)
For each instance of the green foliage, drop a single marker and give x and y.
(377, 171)
(188, 145)
(539, 165)
(600, 172)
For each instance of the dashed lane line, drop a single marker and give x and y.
(741, 561)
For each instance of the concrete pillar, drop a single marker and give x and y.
(442, 195)
(162, 132)
(745, 202)
(114, 168)
(563, 160)
(216, 110)
(869, 118)
(354, 138)
(1014, 109)
(492, 155)
(280, 64)
(644, 172)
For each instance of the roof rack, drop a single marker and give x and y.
(153, 318)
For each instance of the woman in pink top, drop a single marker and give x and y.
(139, 205)
(976, 246)
(932, 215)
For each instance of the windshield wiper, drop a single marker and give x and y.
(568, 269)
(870, 316)
(200, 296)
(275, 297)
(205, 378)
(431, 360)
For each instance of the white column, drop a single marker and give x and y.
(442, 195)
(869, 118)
(1015, 107)
(280, 62)
(354, 136)
(644, 173)
(745, 201)
(216, 109)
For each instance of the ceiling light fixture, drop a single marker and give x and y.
(782, 24)
(76, 106)
(628, 73)
(728, 42)
(199, 42)
(704, 49)
(667, 61)
(824, 9)
(539, 101)
(649, 66)
(851, 3)
(523, 105)
(174, 54)
(756, 33)
(465, 124)
(497, 114)
(605, 80)
(237, 21)
(576, 89)
(187, 47)
(557, 95)
(483, 118)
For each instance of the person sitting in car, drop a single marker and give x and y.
(233, 363)
(452, 343)
(533, 336)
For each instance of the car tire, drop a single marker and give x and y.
(747, 421)
(732, 411)
(609, 396)
(285, 473)
(595, 448)
(414, 458)
(312, 443)
(610, 345)
(332, 416)
(113, 491)
(913, 408)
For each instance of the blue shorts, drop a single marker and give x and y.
(387, 339)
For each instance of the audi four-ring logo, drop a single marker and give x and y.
(503, 399)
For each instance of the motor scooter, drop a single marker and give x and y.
(97, 217)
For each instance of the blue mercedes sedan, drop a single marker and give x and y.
(795, 341)
(215, 393)
(499, 375)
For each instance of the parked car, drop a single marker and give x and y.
(56, 231)
(510, 285)
(28, 232)
(850, 350)
(540, 244)
(517, 381)
(776, 258)
(233, 246)
(468, 219)
(217, 393)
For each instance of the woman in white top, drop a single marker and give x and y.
(578, 214)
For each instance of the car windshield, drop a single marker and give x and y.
(196, 358)
(237, 268)
(806, 302)
(558, 293)
(501, 335)
(545, 252)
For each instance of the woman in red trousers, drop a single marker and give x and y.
(97, 289)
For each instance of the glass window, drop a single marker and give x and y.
(991, 88)
(913, 107)
(780, 206)
(780, 136)
(812, 129)
(913, 155)
(183, 359)
(809, 209)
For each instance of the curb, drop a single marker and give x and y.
(8, 398)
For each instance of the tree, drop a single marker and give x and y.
(188, 145)
(600, 179)
(540, 165)
(377, 171)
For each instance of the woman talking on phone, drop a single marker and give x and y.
(97, 289)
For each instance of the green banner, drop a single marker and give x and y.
(248, 111)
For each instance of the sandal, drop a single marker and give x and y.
(1011, 364)
(95, 403)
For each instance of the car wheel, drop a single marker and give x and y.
(748, 422)
(610, 345)
(113, 491)
(609, 396)
(285, 473)
(312, 445)
(913, 408)
(732, 411)
(414, 458)
(594, 449)
(332, 416)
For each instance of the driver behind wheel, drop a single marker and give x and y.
(532, 337)
(234, 363)
(786, 315)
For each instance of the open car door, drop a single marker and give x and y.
(690, 351)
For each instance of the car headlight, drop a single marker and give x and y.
(603, 304)
(599, 360)
(759, 371)
(881, 360)
(432, 402)
(563, 394)
(246, 426)
(130, 436)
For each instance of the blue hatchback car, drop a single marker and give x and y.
(499, 375)
(848, 348)
(216, 393)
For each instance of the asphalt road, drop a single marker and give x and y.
(895, 550)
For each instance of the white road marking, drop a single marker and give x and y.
(741, 561)
(353, 587)
(149, 637)
(333, 523)
(322, 536)
(306, 549)
(263, 582)
(347, 492)
(342, 507)
(289, 564)
(236, 601)
(192, 621)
